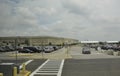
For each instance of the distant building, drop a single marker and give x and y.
(36, 40)
(112, 42)
(99, 42)
(89, 42)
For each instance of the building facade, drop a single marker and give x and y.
(35, 41)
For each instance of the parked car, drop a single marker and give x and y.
(40, 48)
(2, 49)
(34, 49)
(55, 48)
(25, 51)
(48, 49)
(10, 48)
(86, 50)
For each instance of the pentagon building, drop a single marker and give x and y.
(36, 40)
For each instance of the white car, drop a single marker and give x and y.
(86, 50)
(48, 49)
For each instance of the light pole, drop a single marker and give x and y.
(16, 42)
(42, 50)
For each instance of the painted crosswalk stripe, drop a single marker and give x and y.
(61, 67)
(49, 67)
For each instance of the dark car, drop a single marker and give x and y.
(2, 49)
(34, 49)
(86, 50)
(25, 51)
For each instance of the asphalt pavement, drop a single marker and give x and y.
(34, 64)
(91, 67)
(81, 67)
(6, 65)
(18, 61)
(76, 63)
(76, 53)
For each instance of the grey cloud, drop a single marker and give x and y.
(115, 29)
(75, 8)
(83, 20)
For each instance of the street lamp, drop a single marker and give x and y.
(16, 42)
(42, 50)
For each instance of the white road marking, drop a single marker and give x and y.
(61, 67)
(39, 68)
(45, 74)
(50, 67)
(26, 63)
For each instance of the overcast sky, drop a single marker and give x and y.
(79, 19)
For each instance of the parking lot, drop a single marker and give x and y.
(91, 67)
(75, 63)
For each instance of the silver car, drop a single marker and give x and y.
(86, 50)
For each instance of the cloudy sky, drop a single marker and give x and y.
(79, 19)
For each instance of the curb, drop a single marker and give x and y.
(28, 73)
(21, 55)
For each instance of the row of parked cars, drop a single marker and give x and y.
(7, 48)
(38, 49)
(108, 47)
(111, 47)
(30, 49)
(114, 47)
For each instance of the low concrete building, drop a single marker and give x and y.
(89, 42)
(36, 40)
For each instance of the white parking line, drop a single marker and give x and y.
(26, 63)
(61, 67)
